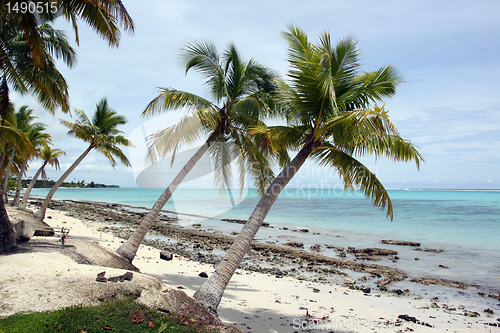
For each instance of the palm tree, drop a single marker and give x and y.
(23, 119)
(38, 138)
(101, 133)
(330, 120)
(240, 90)
(49, 156)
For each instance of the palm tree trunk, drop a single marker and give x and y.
(15, 202)
(40, 213)
(210, 293)
(129, 249)
(24, 202)
(7, 236)
(7, 173)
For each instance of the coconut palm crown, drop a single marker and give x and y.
(101, 133)
(329, 105)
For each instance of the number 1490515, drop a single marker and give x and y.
(31, 7)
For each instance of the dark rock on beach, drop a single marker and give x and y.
(264, 224)
(203, 275)
(165, 255)
(399, 242)
(406, 317)
(315, 248)
(372, 251)
(434, 250)
(440, 282)
(295, 244)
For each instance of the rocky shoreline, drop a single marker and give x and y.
(289, 260)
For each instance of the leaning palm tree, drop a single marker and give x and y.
(240, 90)
(327, 104)
(37, 138)
(49, 156)
(102, 134)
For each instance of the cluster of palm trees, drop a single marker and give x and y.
(29, 47)
(328, 106)
(330, 109)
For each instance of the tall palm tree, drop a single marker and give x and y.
(23, 118)
(37, 138)
(330, 119)
(102, 134)
(240, 90)
(49, 156)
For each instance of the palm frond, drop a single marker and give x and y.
(187, 131)
(354, 173)
(282, 137)
(202, 56)
(169, 99)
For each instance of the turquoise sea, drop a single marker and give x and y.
(465, 224)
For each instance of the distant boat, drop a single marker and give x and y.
(24, 230)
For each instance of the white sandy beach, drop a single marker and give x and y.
(253, 302)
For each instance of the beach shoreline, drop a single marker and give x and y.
(286, 294)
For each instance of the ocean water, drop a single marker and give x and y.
(465, 224)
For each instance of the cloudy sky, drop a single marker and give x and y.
(448, 52)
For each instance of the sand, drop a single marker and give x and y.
(253, 302)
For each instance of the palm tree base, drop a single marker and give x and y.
(39, 214)
(7, 236)
(25, 209)
(124, 254)
(208, 298)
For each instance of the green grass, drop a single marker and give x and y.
(116, 315)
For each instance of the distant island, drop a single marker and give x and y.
(80, 184)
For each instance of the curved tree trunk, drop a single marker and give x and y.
(210, 292)
(40, 213)
(7, 174)
(24, 202)
(7, 236)
(15, 202)
(129, 249)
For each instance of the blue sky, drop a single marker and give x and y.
(448, 52)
